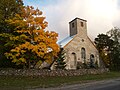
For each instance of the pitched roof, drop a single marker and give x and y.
(65, 41)
(68, 39)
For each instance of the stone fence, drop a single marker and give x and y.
(42, 73)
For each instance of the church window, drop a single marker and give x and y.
(82, 40)
(92, 59)
(73, 25)
(83, 53)
(81, 24)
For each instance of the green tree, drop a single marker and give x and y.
(105, 46)
(109, 48)
(114, 34)
(115, 52)
(60, 63)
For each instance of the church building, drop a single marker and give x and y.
(78, 47)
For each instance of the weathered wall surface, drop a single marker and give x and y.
(79, 42)
(42, 73)
(75, 46)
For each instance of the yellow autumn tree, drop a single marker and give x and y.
(35, 43)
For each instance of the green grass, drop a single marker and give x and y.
(19, 82)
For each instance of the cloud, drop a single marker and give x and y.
(116, 21)
(118, 4)
(101, 15)
(60, 14)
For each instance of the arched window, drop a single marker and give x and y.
(92, 59)
(83, 54)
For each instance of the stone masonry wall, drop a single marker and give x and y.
(42, 73)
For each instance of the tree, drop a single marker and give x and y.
(103, 42)
(8, 9)
(104, 45)
(114, 34)
(109, 48)
(60, 63)
(115, 53)
(33, 43)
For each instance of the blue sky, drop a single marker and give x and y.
(118, 4)
(101, 15)
(40, 3)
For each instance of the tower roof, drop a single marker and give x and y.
(79, 19)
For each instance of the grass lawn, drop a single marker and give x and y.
(23, 83)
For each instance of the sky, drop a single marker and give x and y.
(101, 15)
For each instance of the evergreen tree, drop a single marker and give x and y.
(60, 63)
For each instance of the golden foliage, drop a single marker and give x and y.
(31, 28)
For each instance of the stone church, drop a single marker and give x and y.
(78, 47)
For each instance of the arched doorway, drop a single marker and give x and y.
(73, 60)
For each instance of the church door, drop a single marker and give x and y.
(73, 61)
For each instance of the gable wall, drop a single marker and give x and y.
(75, 47)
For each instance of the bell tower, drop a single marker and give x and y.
(78, 26)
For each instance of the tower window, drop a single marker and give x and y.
(81, 24)
(73, 25)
